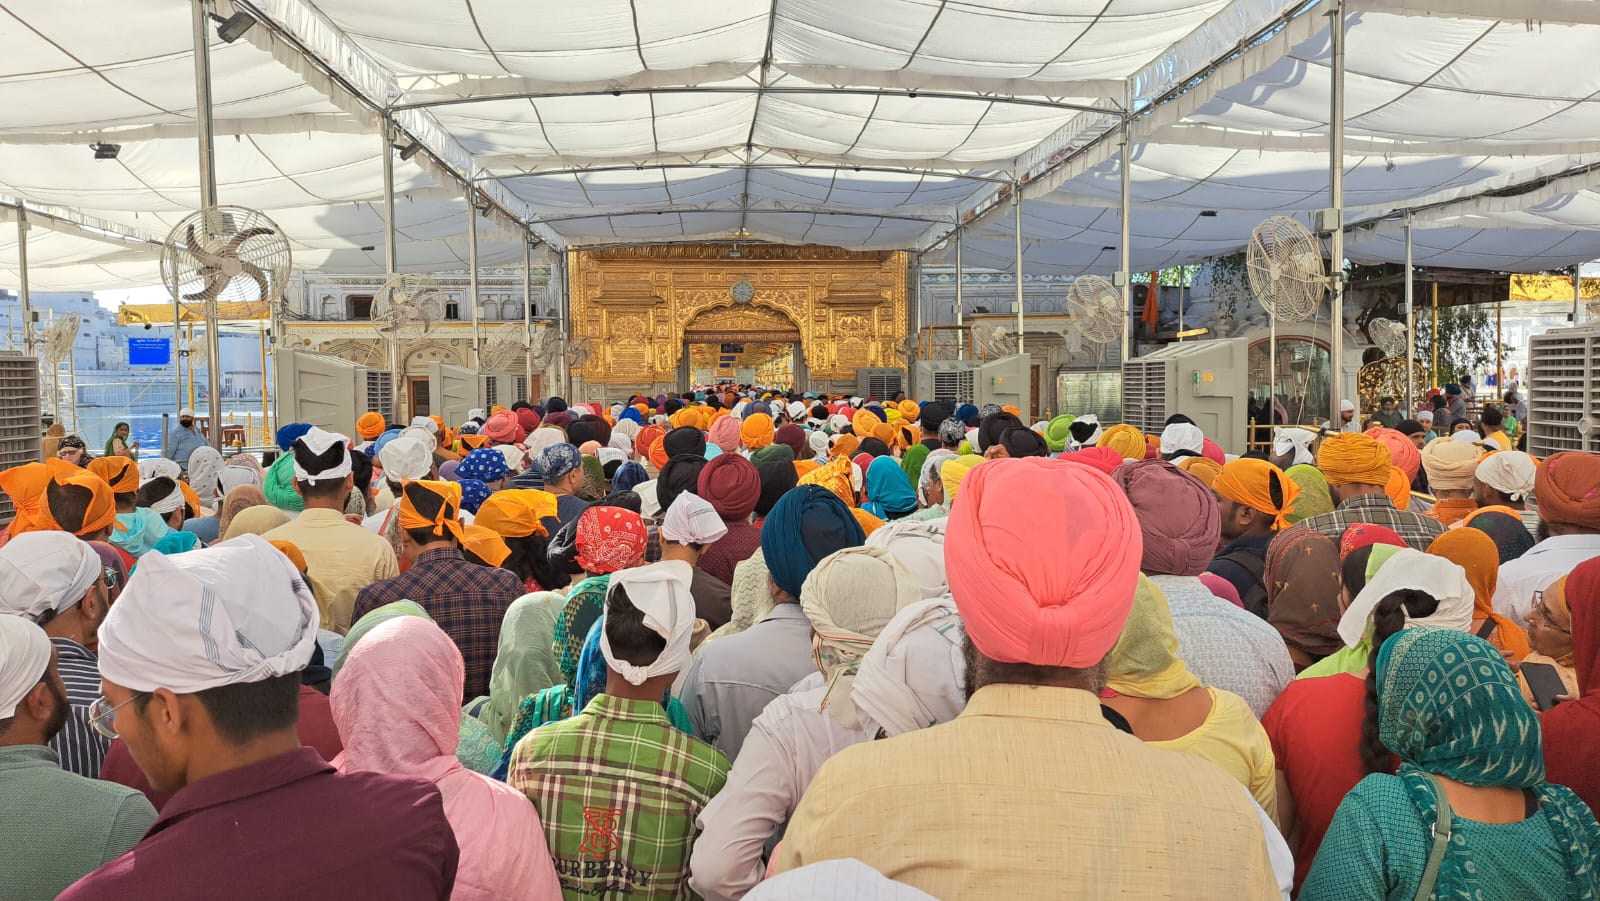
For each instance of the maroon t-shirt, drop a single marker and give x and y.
(1315, 728)
(316, 728)
(288, 827)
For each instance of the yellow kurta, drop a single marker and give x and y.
(1030, 793)
(1232, 738)
(341, 557)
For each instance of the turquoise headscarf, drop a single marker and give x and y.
(890, 491)
(1448, 704)
(140, 531)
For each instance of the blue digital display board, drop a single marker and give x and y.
(149, 352)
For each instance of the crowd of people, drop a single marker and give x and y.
(735, 643)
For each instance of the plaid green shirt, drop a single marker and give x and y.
(618, 790)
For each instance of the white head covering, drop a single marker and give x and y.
(1425, 417)
(692, 520)
(849, 597)
(423, 422)
(320, 442)
(610, 455)
(406, 457)
(625, 427)
(43, 572)
(541, 438)
(156, 467)
(232, 477)
(205, 467)
(1347, 406)
(169, 503)
(231, 613)
(513, 455)
(24, 658)
(1409, 568)
(474, 413)
(1286, 440)
(1182, 436)
(919, 546)
(797, 410)
(817, 441)
(930, 471)
(912, 677)
(622, 442)
(426, 436)
(649, 506)
(661, 592)
(1467, 435)
(1093, 439)
(837, 422)
(1511, 473)
(845, 879)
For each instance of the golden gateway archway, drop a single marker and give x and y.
(640, 308)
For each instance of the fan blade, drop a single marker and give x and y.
(231, 248)
(213, 288)
(256, 274)
(205, 257)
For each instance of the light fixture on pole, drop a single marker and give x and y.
(106, 151)
(233, 27)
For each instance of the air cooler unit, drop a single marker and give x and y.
(20, 417)
(882, 383)
(453, 391)
(1563, 391)
(502, 389)
(1204, 380)
(326, 391)
(1004, 381)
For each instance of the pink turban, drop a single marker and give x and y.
(1402, 453)
(589, 448)
(1222, 588)
(1043, 561)
(1102, 458)
(1213, 451)
(502, 428)
(1177, 516)
(725, 434)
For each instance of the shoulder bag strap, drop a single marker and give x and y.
(1442, 828)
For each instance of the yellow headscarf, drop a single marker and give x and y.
(1125, 440)
(845, 446)
(864, 422)
(954, 472)
(909, 409)
(448, 518)
(485, 543)
(1352, 458)
(869, 523)
(1248, 481)
(835, 477)
(1203, 468)
(516, 512)
(1145, 661)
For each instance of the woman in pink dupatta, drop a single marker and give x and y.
(397, 704)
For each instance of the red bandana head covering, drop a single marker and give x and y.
(1362, 534)
(1102, 458)
(609, 539)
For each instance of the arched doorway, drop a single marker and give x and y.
(742, 343)
(1300, 386)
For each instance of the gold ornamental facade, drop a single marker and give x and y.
(639, 308)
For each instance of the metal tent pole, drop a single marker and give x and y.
(1499, 344)
(961, 333)
(208, 198)
(23, 292)
(390, 260)
(1434, 382)
(472, 264)
(266, 409)
(1411, 321)
(1336, 20)
(527, 318)
(1124, 252)
(1016, 206)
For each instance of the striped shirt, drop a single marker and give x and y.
(81, 749)
(618, 790)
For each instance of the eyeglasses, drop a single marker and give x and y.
(113, 577)
(102, 715)
(1544, 614)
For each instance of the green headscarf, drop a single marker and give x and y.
(374, 618)
(594, 479)
(911, 461)
(1314, 495)
(773, 453)
(1449, 705)
(526, 661)
(109, 452)
(278, 485)
(1058, 433)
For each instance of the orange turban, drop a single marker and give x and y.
(835, 477)
(439, 421)
(485, 544)
(846, 446)
(1350, 458)
(446, 521)
(909, 409)
(1012, 409)
(1568, 488)
(100, 512)
(658, 454)
(1125, 440)
(120, 473)
(757, 431)
(1398, 488)
(516, 512)
(869, 523)
(292, 551)
(370, 425)
(864, 422)
(884, 432)
(804, 467)
(1203, 468)
(1402, 452)
(1255, 483)
(473, 442)
(686, 416)
(190, 497)
(648, 437)
(25, 486)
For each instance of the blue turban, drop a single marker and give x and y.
(633, 414)
(557, 460)
(876, 410)
(382, 441)
(966, 413)
(555, 405)
(288, 434)
(807, 524)
(628, 476)
(757, 407)
(473, 494)
(484, 464)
